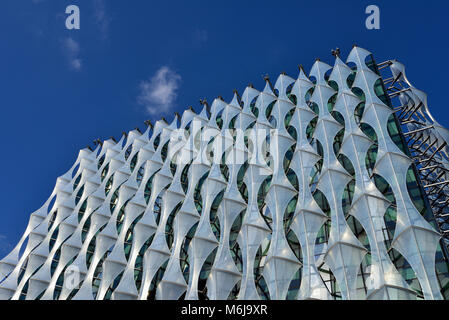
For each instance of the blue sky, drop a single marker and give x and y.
(133, 60)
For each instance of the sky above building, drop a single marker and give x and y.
(131, 61)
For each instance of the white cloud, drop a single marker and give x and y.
(71, 49)
(101, 17)
(76, 64)
(159, 93)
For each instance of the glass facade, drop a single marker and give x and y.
(340, 212)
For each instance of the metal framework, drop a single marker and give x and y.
(426, 139)
(308, 189)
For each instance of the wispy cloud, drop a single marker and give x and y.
(101, 17)
(159, 93)
(71, 49)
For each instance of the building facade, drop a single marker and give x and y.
(327, 186)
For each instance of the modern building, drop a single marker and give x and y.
(327, 186)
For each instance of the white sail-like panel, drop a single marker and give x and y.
(318, 187)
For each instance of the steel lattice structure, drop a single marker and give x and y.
(426, 140)
(314, 188)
